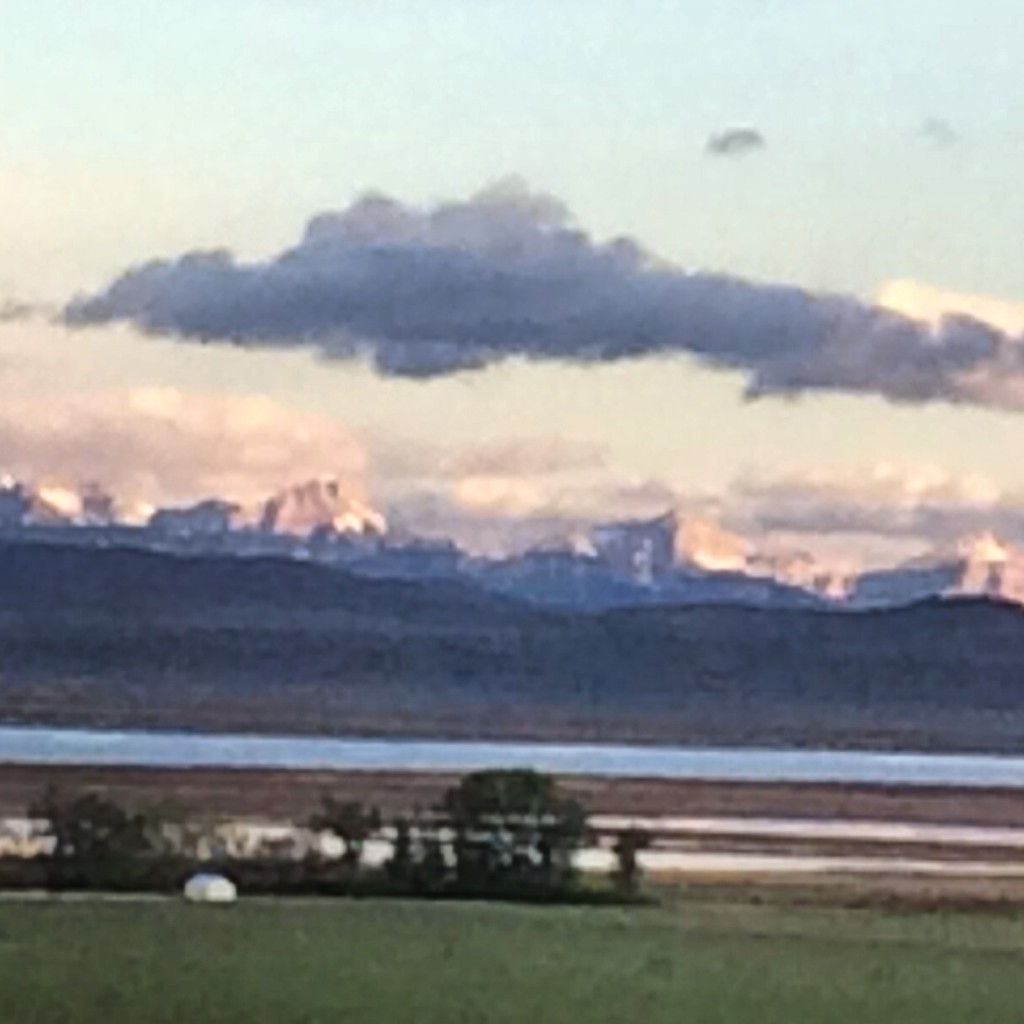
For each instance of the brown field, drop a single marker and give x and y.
(310, 710)
(293, 794)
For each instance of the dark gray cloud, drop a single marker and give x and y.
(735, 142)
(507, 274)
(939, 132)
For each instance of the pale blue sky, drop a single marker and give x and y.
(296, 106)
(134, 128)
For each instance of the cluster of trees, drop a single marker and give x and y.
(96, 843)
(500, 833)
(88, 827)
(496, 831)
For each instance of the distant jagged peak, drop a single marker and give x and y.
(574, 543)
(55, 502)
(978, 565)
(830, 579)
(705, 544)
(983, 548)
(990, 566)
(211, 516)
(650, 549)
(667, 520)
(986, 548)
(312, 507)
(642, 549)
(87, 503)
(317, 505)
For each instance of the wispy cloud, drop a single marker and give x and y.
(14, 310)
(885, 500)
(524, 457)
(403, 463)
(843, 514)
(150, 446)
(499, 515)
(153, 445)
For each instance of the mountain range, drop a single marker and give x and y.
(662, 561)
(308, 613)
(126, 637)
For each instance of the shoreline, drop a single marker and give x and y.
(304, 713)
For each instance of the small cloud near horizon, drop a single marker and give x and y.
(151, 446)
(15, 310)
(924, 503)
(162, 446)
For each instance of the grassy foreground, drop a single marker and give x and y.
(391, 963)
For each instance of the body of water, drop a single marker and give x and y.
(31, 745)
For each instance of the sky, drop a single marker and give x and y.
(494, 262)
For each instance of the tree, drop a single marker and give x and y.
(169, 829)
(513, 827)
(351, 822)
(89, 828)
(402, 862)
(495, 795)
(627, 847)
(432, 868)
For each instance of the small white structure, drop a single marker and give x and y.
(210, 889)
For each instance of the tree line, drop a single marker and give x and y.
(496, 834)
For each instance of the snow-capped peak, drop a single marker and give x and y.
(989, 566)
(316, 506)
(706, 545)
(52, 502)
(980, 565)
(63, 501)
(319, 505)
(985, 548)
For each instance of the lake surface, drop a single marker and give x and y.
(30, 745)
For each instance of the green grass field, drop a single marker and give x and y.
(391, 963)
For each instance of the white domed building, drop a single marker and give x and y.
(210, 888)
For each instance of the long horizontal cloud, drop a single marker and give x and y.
(499, 515)
(427, 292)
(829, 510)
(887, 501)
(524, 457)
